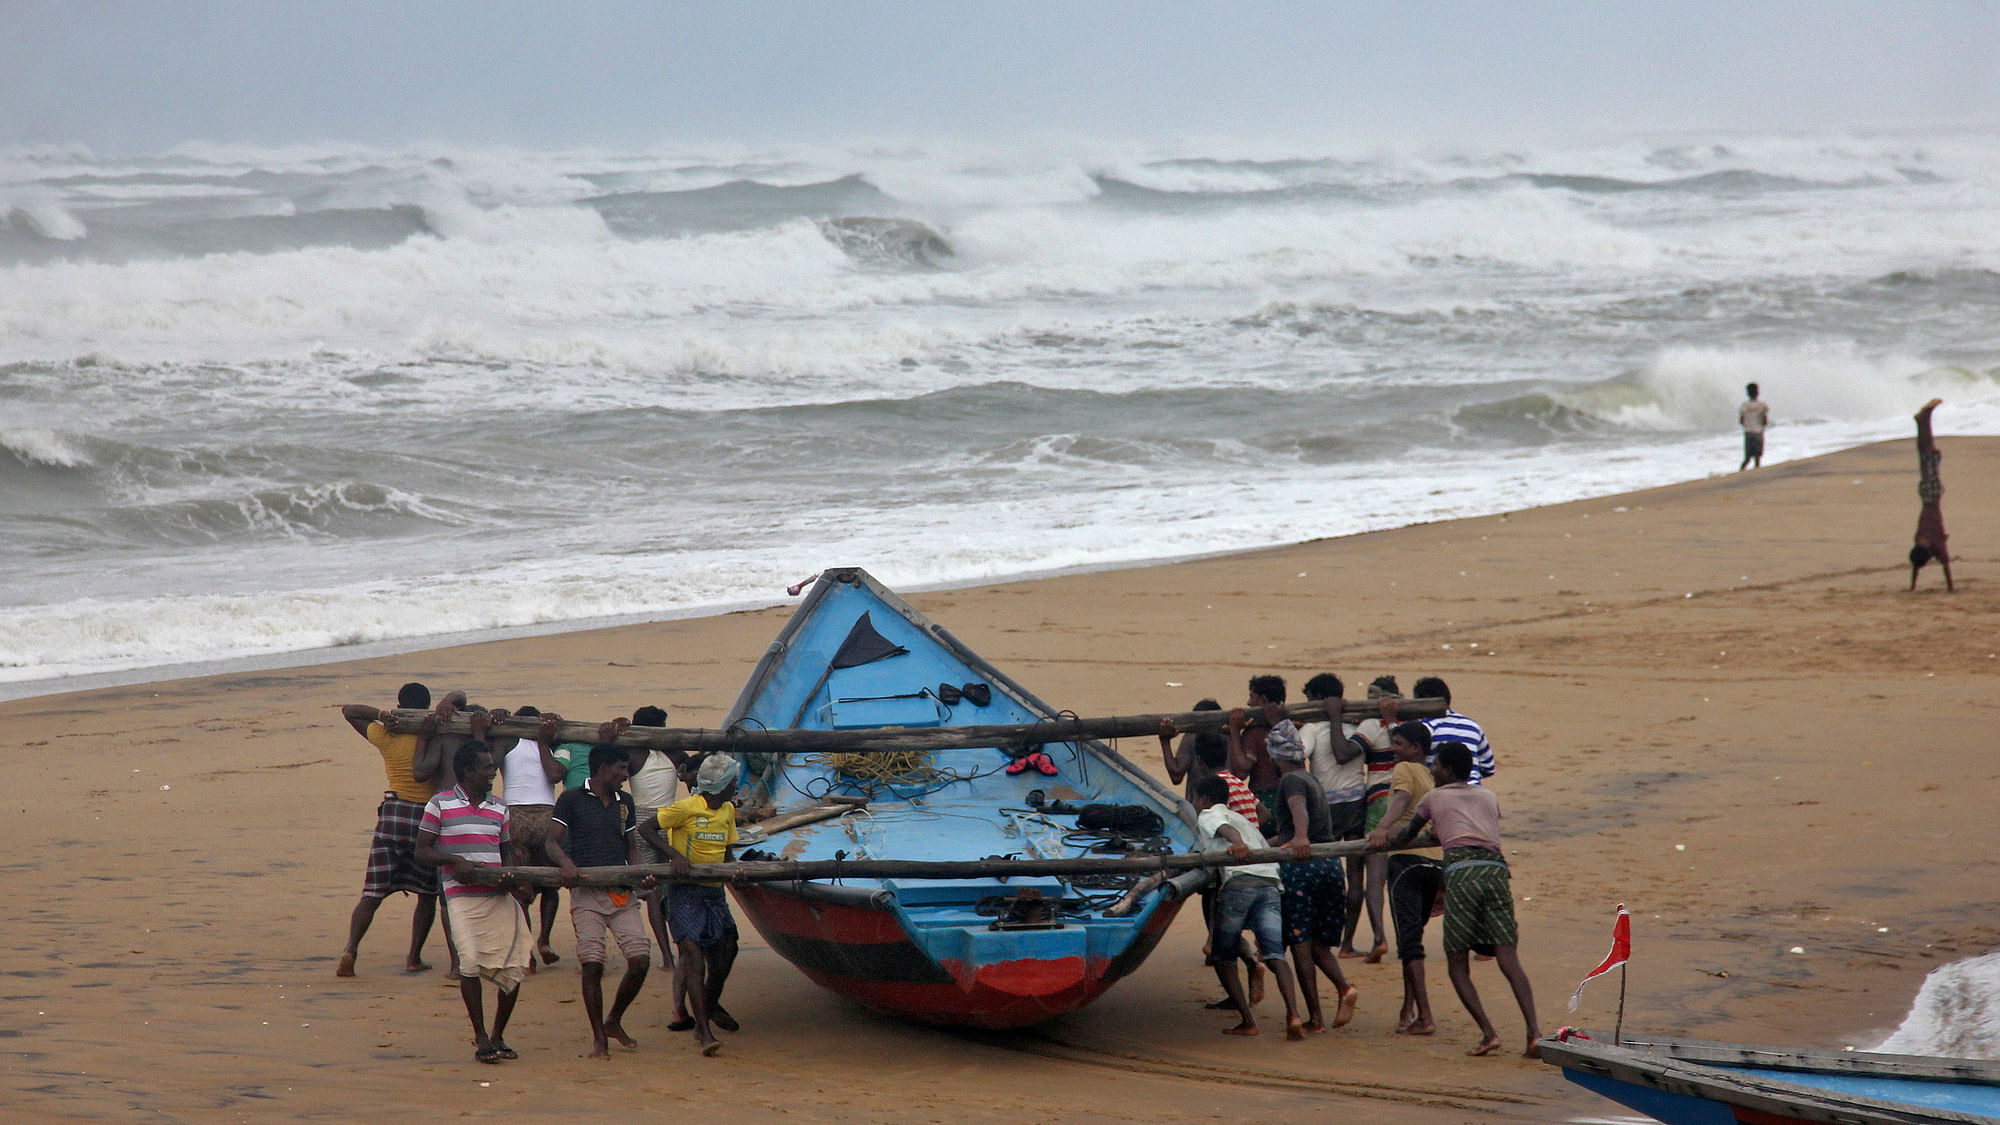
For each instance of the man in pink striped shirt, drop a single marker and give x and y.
(465, 828)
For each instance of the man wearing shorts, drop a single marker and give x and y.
(393, 865)
(1249, 898)
(700, 829)
(1313, 903)
(1478, 895)
(597, 826)
(1416, 875)
(1930, 537)
(1755, 415)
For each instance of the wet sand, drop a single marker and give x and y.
(1729, 665)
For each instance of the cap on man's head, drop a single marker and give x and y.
(718, 772)
(1284, 744)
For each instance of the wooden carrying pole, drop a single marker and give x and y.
(792, 871)
(888, 740)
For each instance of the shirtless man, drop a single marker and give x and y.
(1930, 489)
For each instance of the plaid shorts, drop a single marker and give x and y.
(392, 854)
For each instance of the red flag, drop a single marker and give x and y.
(1621, 948)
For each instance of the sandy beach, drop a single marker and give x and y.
(1713, 702)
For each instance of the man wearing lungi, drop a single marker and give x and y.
(1478, 896)
(392, 854)
(464, 829)
(700, 829)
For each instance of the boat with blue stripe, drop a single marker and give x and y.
(998, 952)
(1693, 1082)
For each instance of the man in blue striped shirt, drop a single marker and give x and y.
(1454, 727)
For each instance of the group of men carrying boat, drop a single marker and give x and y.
(442, 819)
(1281, 785)
(1260, 782)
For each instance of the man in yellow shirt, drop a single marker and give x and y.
(700, 829)
(392, 855)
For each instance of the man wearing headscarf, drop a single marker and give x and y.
(700, 828)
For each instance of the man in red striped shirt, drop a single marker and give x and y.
(465, 828)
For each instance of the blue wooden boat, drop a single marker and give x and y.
(985, 953)
(1691, 1082)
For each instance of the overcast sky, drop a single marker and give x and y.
(128, 77)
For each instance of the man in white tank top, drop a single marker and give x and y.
(528, 775)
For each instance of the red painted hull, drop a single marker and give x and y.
(862, 953)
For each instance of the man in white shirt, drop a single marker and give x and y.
(1755, 415)
(1248, 899)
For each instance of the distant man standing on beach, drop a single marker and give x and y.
(597, 826)
(1755, 415)
(465, 828)
(392, 854)
(1930, 542)
(1478, 892)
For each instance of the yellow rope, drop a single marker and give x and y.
(900, 767)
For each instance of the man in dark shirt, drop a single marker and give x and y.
(1248, 758)
(594, 826)
(1314, 896)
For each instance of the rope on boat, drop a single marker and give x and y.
(902, 767)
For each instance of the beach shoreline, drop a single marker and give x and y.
(34, 688)
(1711, 701)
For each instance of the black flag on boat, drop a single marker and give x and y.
(865, 646)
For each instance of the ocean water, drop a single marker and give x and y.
(259, 402)
(1956, 1013)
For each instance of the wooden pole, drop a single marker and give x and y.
(887, 740)
(792, 871)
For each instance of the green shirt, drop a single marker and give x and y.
(576, 756)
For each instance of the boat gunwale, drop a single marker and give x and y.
(760, 675)
(1703, 1069)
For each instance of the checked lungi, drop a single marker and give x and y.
(1478, 902)
(392, 854)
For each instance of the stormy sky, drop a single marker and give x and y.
(134, 77)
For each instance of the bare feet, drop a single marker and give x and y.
(1256, 986)
(711, 1046)
(1534, 1050)
(1349, 952)
(681, 1023)
(1376, 954)
(1486, 1047)
(615, 1031)
(720, 1017)
(549, 956)
(1241, 1029)
(1420, 1027)
(345, 966)
(1295, 1031)
(1344, 1014)
(1314, 1027)
(600, 1050)
(416, 966)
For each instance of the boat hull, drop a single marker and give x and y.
(1690, 1082)
(861, 950)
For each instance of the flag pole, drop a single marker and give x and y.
(1618, 1029)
